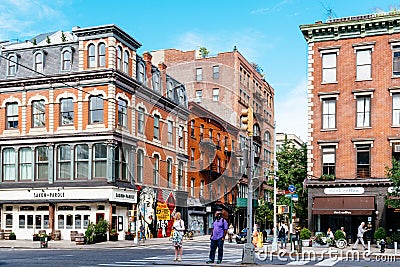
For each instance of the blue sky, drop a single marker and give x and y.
(266, 32)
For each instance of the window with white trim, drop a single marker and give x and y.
(157, 127)
(199, 95)
(329, 67)
(141, 120)
(139, 165)
(126, 62)
(363, 160)
(102, 55)
(12, 65)
(180, 175)
(100, 161)
(38, 113)
(215, 94)
(396, 109)
(42, 162)
(170, 132)
(328, 160)
(66, 111)
(169, 173)
(122, 112)
(156, 169)
(82, 161)
(12, 115)
(364, 62)
(396, 60)
(91, 56)
(119, 58)
(363, 111)
(199, 74)
(96, 109)
(192, 187)
(64, 162)
(156, 82)
(66, 59)
(38, 61)
(25, 163)
(9, 161)
(328, 113)
(140, 74)
(215, 72)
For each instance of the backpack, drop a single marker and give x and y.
(281, 232)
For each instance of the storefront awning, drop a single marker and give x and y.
(344, 205)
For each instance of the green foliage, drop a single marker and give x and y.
(63, 37)
(380, 233)
(34, 42)
(89, 233)
(393, 198)
(305, 234)
(292, 169)
(12, 234)
(327, 177)
(318, 238)
(395, 237)
(389, 241)
(101, 228)
(204, 51)
(339, 235)
(48, 39)
(264, 214)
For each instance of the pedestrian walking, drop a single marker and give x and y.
(231, 231)
(219, 229)
(177, 236)
(360, 236)
(282, 235)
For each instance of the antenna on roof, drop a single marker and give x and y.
(330, 14)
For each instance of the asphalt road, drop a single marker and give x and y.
(195, 254)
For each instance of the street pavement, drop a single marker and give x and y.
(200, 251)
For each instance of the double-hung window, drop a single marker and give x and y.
(100, 161)
(199, 95)
(38, 113)
(102, 55)
(126, 62)
(157, 127)
(25, 163)
(363, 111)
(215, 94)
(82, 161)
(42, 163)
(122, 113)
(364, 62)
(96, 109)
(363, 161)
(38, 61)
(91, 56)
(396, 60)
(328, 160)
(139, 165)
(396, 109)
(66, 59)
(64, 162)
(141, 120)
(12, 115)
(156, 169)
(9, 161)
(119, 58)
(215, 72)
(170, 132)
(169, 173)
(328, 113)
(199, 74)
(67, 111)
(329, 67)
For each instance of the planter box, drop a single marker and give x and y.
(305, 242)
(12, 237)
(101, 238)
(113, 238)
(36, 238)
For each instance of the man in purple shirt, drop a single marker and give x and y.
(220, 226)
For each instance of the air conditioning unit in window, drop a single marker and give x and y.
(397, 148)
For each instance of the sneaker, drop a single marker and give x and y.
(209, 261)
(365, 248)
(354, 248)
(218, 261)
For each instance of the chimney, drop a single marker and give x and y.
(163, 77)
(147, 59)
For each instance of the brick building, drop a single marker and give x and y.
(353, 103)
(87, 125)
(212, 168)
(225, 84)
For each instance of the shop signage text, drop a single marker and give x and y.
(48, 195)
(344, 191)
(342, 212)
(163, 212)
(119, 195)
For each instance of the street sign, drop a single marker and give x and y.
(294, 197)
(291, 188)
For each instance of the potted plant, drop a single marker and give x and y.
(129, 235)
(389, 243)
(113, 235)
(35, 237)
(327, 177)
(12, 236)
(339, 235)
(100, 231)
(89, 233)
(305, 235)
(396, 238)
(379, 234)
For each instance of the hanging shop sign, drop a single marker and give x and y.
(163, 212)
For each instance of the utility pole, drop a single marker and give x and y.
(248, 250)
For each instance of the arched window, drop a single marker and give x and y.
(169, 173)
(38, 64)
(126, 62)
(102, 55)
(119, 58)
(91, 56)
(267, 138)
(139, 167)
(156, 169)
(12, 65)
(156, 82)
(140, 74)
(96, 109)
(170, 92)
(122, 112)
(66, 60)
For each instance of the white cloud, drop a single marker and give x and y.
(291, 111)
(25, 18)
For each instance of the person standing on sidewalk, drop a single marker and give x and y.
(179, 228)
(360, 236)
(219, 229)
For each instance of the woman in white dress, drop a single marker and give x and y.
(179, 228)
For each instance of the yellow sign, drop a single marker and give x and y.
(162, 212)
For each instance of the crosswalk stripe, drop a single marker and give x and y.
(329, 262)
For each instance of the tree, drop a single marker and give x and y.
(393, 198)
(292, 170)
(204, 51)
(264, 214)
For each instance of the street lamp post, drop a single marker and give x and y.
(275, 239)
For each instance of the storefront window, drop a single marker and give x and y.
(29, 221)
(70, 220)
(78, 221)
(85, 221)
(61, 221)
(21, 221)
(9, 220)
(46, 221)
(38, 221)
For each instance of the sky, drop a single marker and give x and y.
(265, 32)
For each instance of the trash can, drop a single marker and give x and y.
(44, 242)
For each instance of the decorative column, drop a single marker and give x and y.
(52, 217)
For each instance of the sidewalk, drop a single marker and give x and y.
(67, 244)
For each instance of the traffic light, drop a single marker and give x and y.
(247, 120)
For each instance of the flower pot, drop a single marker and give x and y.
(113, 238)
(36, 238)
(12, 237)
